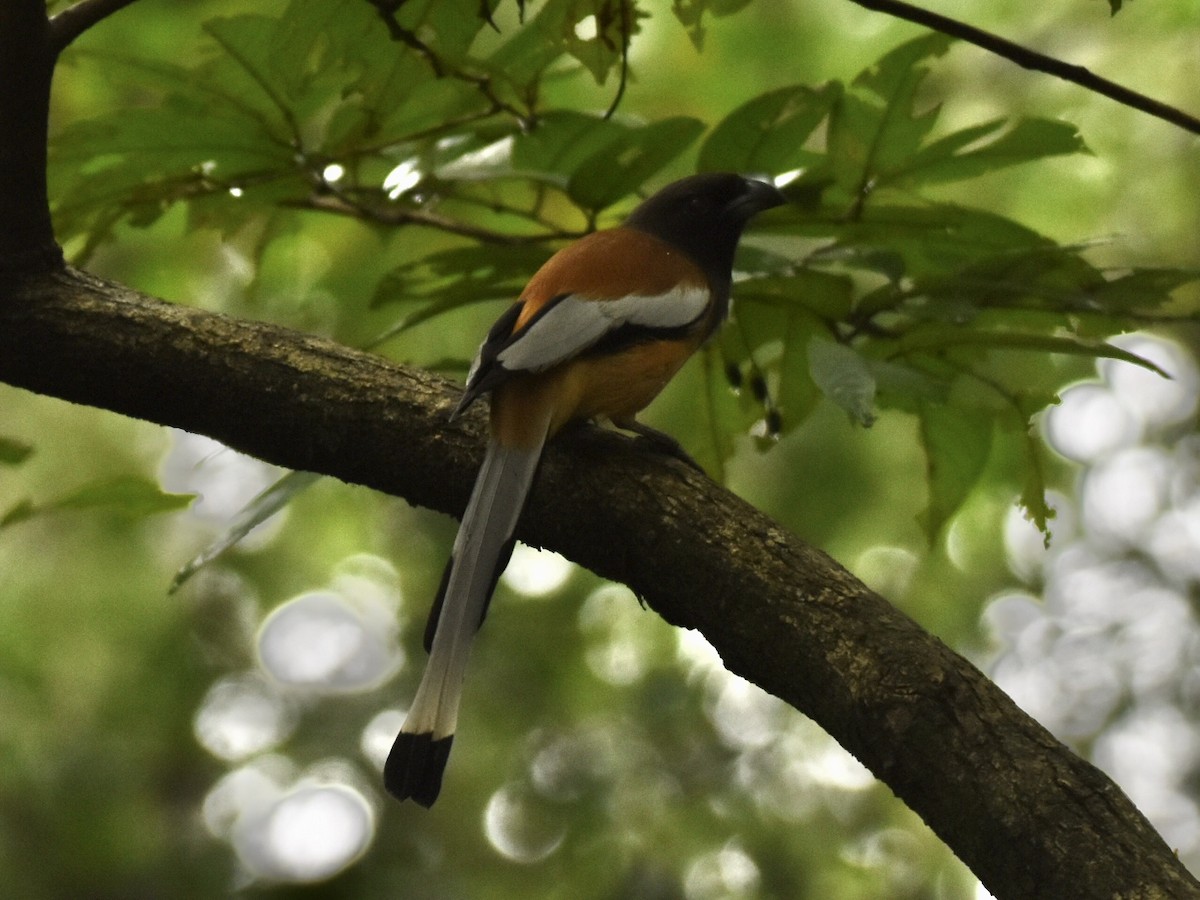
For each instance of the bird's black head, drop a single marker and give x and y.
(703, 215)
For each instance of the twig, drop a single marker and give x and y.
(626, 27)
(339, 205)
(75, 20)
(387, 12)
(1031, 59)
(483, 83)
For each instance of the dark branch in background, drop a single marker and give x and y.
(626, 28)
(1030, 818)
(1031, 59)
(387, 10)
(78, 18)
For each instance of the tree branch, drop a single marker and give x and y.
(1031, 59)
(1031, 819)
(78, 18)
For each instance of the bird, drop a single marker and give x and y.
(597, 333)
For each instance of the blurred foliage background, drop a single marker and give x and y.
(229, 737)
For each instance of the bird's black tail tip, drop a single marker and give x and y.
(415, 766)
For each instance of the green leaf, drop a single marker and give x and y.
(1025, 141)
(624, 164)
(18, 512)
(201, 133)
(243, 38)
(460, 276)
(916, 240)
(13, 452)
(1042, 276)
(690, 14)
(266, 504)
(281, 98)
(957, 443)
(1033, 485)
(894, 76)
(825, 295)
(798, 392)
(767, 134)
(560, 142)
(844, 377)
(451, 279)
(940, 338)
(874, 128)
(449, 26)
(129, 495)
(904, 387)
(529, 51)
(428, 311)
(854, 126)
(555, 32)
(1137, 290)
(615, 23)
(723, 413)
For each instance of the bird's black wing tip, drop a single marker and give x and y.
(415, 766)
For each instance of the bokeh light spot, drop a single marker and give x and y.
(1089, 422)
(535, 573)
(1156, 401)
(521, 829)
(224, 480)
(251, 787)
(886, 569)
(1124, 493)
(402, 179)
(725, 873)
(310, 833)
(744, 715)
(318, 641)
(318, 831)
(617, 648)
(572, 762)
(242, 715)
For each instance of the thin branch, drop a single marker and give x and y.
(387, 10)
(626, 29)
(1031, 59)
(422, 134)
(75, 20)
(332, 203)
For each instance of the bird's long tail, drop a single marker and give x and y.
(418, 758)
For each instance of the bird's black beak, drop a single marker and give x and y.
(759, 196)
